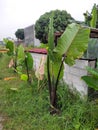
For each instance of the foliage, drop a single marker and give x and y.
(88, 18)
(61, 20)
(42, 45)
(26, 108)
(9, 45)
(91, 19)
(20, 34)
(24, 61)
(94, 20)
(92, 79)
(29, 60)
(71, 44)
(24, 77)
(21, 59)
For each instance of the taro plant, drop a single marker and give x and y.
(20, 59)
(70, 46)
(12, 52)
(24, 62)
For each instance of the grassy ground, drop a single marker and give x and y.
(26, 108)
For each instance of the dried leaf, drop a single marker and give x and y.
(11, 63)
(9, 78)
(14, 89)
(4, 50)
(40, 71)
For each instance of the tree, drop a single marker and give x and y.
(20, 34)
(61, 20)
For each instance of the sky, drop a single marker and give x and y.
(15, 14)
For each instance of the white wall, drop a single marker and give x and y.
(72, 75)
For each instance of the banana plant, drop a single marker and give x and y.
(94, 20)
(91, 19)
(70, 46)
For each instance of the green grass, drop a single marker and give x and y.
(28, 109)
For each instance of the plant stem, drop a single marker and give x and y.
(16, 60)
(56, 84)
(27, 70)
(49, 79)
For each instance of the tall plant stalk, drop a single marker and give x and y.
(27, 70)
(73, 42)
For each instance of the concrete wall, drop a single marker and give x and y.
(37, 58)
(72, 75)
(29, 35)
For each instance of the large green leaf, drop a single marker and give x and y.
(54, 68)
(94, 16)
(51, 34)
(91, 81)
(92, 71)
(10, 46)
(73, 42)
(21, 55)
(29, 60)
(24, 77)
(51, 38)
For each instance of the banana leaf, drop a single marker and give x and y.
(51, 38)
(91, 81)
(54, 69)
(94, 16)
(73, 42)
(92, 71)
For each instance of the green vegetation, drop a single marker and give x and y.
(91, 19)
(26, 108)
(68, 49)
(43, 105)
(19, 34)
(61, 20)
(21, 60)
(92, 78)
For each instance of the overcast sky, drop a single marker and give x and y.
(16, 14)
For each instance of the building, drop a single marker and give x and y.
(29, 36)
